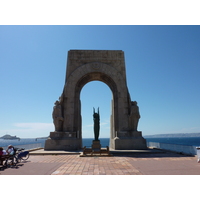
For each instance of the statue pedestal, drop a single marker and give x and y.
(96, 144)
(63, 141)
(95, 150)
(128, 140)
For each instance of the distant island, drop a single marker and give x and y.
(9, 137)
(173, 135)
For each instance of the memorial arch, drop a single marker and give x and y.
(84, 66)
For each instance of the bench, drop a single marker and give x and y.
(105, 150)
(95, 151)
(4, 160)
(87, 150)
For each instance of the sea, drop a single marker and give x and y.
(24, 142)
(27, 143)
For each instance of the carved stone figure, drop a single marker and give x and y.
(96, 118)
(134, 116)
(57, 116)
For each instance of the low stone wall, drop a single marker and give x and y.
(185, 149)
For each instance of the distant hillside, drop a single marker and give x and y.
(173, 135)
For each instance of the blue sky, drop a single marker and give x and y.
(162, 67)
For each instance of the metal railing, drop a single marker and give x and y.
(29, 146)
(185, 149)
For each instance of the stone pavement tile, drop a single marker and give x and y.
(31, 169)
(84, 173)
(167, 166)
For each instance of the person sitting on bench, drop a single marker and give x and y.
(2, 151)
(10, 150)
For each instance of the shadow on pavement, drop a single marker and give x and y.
(151, 155)
(16, 166)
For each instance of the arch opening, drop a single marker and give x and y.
(103, 78)
(95, 94)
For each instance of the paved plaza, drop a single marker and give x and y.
(163, 163)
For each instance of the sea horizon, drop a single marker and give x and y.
(189, 141)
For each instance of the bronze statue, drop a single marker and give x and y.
(57, 116)
(134, 116)
(96, 118)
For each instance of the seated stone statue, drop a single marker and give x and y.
(57, 116)
(134, 116)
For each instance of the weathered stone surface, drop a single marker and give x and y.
(107, 66)
(62, 135)
(129, 143)
(62, 144)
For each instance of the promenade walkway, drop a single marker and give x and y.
(121, 163)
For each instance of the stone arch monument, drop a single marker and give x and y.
(84, 66)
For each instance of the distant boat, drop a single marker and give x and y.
(9, 137)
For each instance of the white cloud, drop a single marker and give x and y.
(87, 130)
(33, 130)
(190, 130)
(103, 123)
(29, 130)
(90, 125)
(40, 126)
